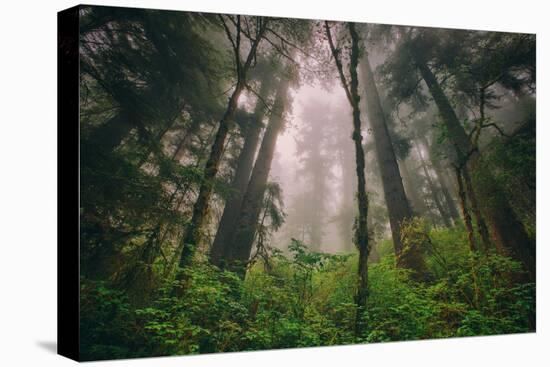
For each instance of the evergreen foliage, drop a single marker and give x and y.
(410, 169)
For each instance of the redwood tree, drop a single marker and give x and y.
(237, 250)
(351, 88)
(398, 206)
(200, 209)
(241, 176)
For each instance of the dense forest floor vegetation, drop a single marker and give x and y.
(304, 299)
(253, 183)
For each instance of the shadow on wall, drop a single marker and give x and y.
(50, 346)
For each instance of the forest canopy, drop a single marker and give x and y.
(252, 183)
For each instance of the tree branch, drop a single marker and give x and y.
(260, 98)
(338, 61)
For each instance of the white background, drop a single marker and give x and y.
(28, 183)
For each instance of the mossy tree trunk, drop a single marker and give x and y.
(240, 179)
(361, 229)
(398, 206)
(237, 251)
(433, 188)
(507, 232)
(436, 164)
(418, 205)
(193, 233)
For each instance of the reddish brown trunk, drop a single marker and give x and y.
(465, 212)
(506, 231)
(394, 192)
(417, 203)
(237, 252)
(481, 225)
(433, 189)
(240, 180)
(200, 209)
(449, 202)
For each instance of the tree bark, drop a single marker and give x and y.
(200, 209)
(346, 213)
(361, 234)
(237, 251)
(361, 227)
(451, 204)
(443, 184)
(481, 225)
(417, 203)
(240, 179)
(193, 233)
(394, 192)
(506, 231)
(465, 212)
(433, 188)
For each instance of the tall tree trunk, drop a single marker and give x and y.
(238, 249)
(465, 211)
(346, 212)
(155, 240)
(190, 130)
(361, 235)
(436, 164)
(394, 192)
(481, 225)
(418, 204)
(200, 209)
(155, 145)
(240, 179)
(317, 207)
(361, 227)
(451, 204)
(433, 188)
(507, 232)
(193, 233)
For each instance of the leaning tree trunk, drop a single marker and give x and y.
(237, 251)
(240, 179)
(200, 209)
(506, 230)
(394, 192)
(436, 164)
(433, 189)
(449, 201)
(193, 231)
(417, 202)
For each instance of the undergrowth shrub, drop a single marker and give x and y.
(306, 298)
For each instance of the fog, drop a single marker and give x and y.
(334, 134)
